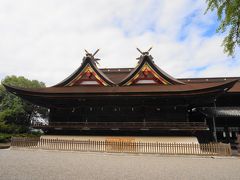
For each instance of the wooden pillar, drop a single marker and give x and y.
(214, 123)
(30, 115)
(227, 134)
(214, 129)
(187, 114)
(144, 114)
(86, 114)
(51, 116)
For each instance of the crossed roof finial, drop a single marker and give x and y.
(90, 55)
(145, 53)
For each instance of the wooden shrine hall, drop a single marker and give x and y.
(143, 100)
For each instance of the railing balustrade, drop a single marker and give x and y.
(132, 125)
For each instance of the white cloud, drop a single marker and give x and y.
(45, 40)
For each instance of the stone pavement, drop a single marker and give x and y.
(40, 164)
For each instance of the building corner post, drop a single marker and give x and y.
(213, 122)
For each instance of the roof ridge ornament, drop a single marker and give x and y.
(91, 56)
(144, 53)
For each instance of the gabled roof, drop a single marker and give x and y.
(88, 66)
(146, 64)
(63, 96)
(89, 81)
(117, 74)
(179, 90)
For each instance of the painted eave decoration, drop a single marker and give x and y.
(87, 76)
(147, 72)
(147, 76)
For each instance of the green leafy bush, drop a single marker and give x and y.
(5, 138)
(15, 113)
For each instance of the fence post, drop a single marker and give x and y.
(229, 149)
(12, 141)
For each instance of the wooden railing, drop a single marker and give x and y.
(126, 125)
(216, 149)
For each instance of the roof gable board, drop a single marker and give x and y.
(147, 75)
(146, 72)
(87, 74)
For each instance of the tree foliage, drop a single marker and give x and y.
(15, 113)
(228, 12)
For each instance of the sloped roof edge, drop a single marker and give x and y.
(148, 59)
(86, 61)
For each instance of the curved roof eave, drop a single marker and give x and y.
(42, 96)
(124, 90)
(86, 61)
(148, 59)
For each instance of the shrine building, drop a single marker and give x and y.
(139, 101)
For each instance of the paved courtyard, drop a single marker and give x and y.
(40, 164)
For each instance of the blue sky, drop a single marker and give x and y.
(45, 40)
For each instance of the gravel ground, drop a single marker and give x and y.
(40, 164)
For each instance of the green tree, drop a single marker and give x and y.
(228, 12)
(15, 113)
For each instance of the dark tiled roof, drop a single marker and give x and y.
(118, 74)
(165, 89)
